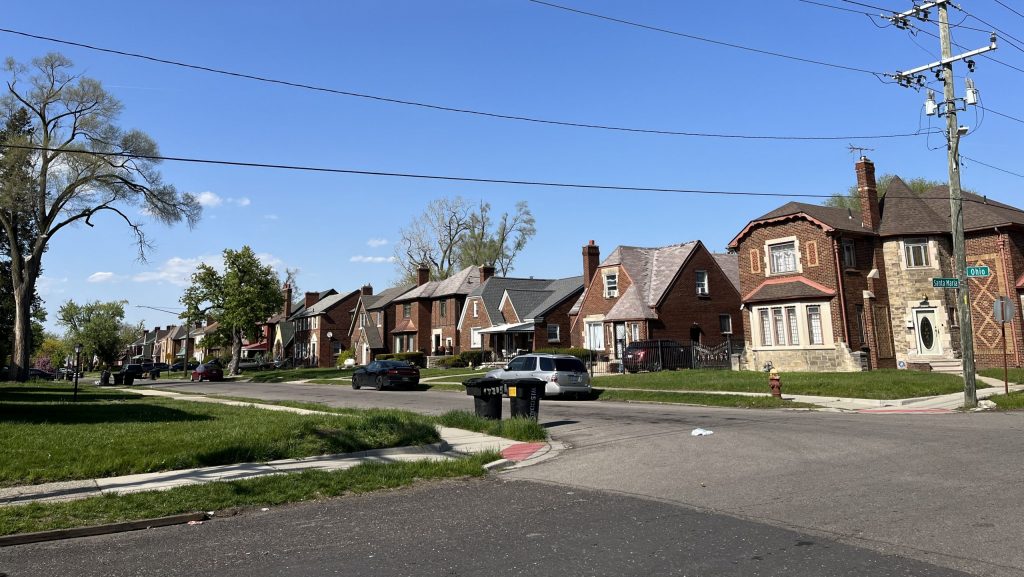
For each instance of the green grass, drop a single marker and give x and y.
(708, 400)
(1013, 375)
(1011, 402)
(260, 492)
(878, 384)
(283, 375)
(517, 429)
(109, 433)
(457, 375)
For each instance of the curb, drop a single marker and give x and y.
(499, 465)
(25, 538)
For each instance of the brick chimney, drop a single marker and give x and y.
(422, 275)
(287, 292)
(486, 272)
(867, 190)
(311, 299)
(366, 290)
(591, 260)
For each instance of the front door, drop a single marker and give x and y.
(620, 339)
(927, 333)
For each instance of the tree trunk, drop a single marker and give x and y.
(236, 351)
(24, 288)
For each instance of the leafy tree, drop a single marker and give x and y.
(240, 299)
(451, 235)
(52, 352)
(851, 200)
(97, 326)
(81, 165)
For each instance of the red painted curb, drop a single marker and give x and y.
(522, 451)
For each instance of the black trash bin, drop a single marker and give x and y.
(118, 378)
(524, 397)
(105, 378)
(154, 374)
(129, 379)
(486, 393)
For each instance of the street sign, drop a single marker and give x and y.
(945, 283)
(1002, 310)
(977, 271)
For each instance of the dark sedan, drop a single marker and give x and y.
(207, 372)
(380, 374)
(34, 373)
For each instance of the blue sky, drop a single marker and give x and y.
(509, 57)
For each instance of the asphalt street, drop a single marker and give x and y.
(943, 490)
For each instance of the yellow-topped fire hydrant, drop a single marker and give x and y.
(775, 383)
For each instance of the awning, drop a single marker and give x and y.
(260, 346)
(510, 328)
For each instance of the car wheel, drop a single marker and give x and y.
(379, 383)
(355, 385)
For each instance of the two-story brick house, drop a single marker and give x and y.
(504, 315)
(321, 327)
(428, 315)
(372, 322)
(814, 286)
(681, 292)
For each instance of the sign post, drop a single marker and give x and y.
(1002, 312)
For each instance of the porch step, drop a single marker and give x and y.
(948, 366)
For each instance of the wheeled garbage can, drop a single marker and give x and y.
(486, 393)
(524, 397)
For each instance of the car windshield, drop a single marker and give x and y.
(393, 364)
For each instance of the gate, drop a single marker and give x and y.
(716, 357)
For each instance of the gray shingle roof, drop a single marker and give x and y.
(460, 283)
(795, 289)
(386, 297)
(837, 218)
(651, 269)
(730, 265)
(904, 212)
(630, 306)
(531, 298)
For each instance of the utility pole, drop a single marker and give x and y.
(948, 108)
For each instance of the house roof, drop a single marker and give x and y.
(373, 337)
(730, 265)
(386, 297)
(299, 306)
(652, 270)
(788, 288)
(460, 283)
(904, 212)
(827, 217)
(323, 305)
(406, 326)
(532, 298)
(630, 306)
(179, 332)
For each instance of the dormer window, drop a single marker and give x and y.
(782, 257)
(702, 283)
(611, 285)
(849, 253)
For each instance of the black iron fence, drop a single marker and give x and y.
(659, 355)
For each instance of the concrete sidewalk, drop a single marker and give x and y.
(455, 443)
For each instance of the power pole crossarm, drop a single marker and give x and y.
(949, 59)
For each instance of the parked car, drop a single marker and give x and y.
(285, 363)
(207, 372)
(180, 366)
(380, 374)
(254, 365)
(655, 355)
(133, 369)
(34, 373)
(161, 367)
(563, 374)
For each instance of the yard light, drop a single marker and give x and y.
(78, 360)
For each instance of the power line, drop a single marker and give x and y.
(877, 75)
(1008, 8)
(993, 168)
(537, 183)
(442, 107)
(997, 113)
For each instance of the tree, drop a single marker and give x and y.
(451, 235)
(81, 165)
(851, 199)
(240, 299)
(97, 326)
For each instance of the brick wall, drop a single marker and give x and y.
(596, 305)
(469, 323)
(682, 309)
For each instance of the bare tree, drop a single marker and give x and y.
(82, 164)
(433, 239)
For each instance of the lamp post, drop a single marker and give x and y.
(78, 360)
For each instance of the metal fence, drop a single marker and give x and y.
(658, 355)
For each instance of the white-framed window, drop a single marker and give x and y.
(916, 252)
(634, 332)
(316, 322)
(475, 340)
(782, 257)
(611, 284)
(725, 324)
(791, 325)
(702, 283)
(476, 309)
(849, 253)
(553, 333)
(380, 318)
(594, 336)
(363, 321)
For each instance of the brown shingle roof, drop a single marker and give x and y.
(789, 288)
(904, 212)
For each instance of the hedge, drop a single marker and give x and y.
(418, 359)
(582, 354)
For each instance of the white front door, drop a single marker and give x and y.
(927, 332)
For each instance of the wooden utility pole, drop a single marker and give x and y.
(948, 108)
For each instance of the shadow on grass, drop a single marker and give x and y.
(88, 413)
(38, 395)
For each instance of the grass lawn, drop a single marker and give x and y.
(708, 400)
(1013, 375)
(1012, 402)
(260, 492)
(108, 433)
(878, 384)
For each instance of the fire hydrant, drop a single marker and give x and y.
(775, 383)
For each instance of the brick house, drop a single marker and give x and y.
(504, 315)
(428, 315)
(321, 327)
(681, 292)
(814, 286)
(372, 322)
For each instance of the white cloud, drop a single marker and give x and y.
(49, 286)
(270, 260)
(374, 259)
(102, 277)
(376, 242)
(209, 199)
(177, 271)
(241, 201)
(270, 216)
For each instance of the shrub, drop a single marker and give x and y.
(585, 355)
(344, 356)
(455, 362)
(418, 359)
(472, 358)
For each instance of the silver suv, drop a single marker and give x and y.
(562, 373)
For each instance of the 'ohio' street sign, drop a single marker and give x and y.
(945, 283)
(977, 271)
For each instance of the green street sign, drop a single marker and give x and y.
(945, 283)
(977, 271)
